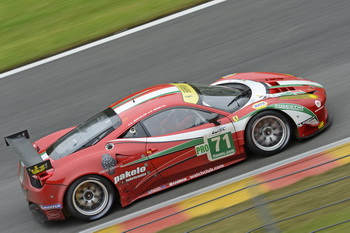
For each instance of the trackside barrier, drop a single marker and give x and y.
(250, 188)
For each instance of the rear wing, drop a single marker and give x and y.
(26, 152)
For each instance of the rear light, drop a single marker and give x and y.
(43, 176)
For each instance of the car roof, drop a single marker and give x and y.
(146, 101)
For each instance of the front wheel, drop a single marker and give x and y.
(89, 197)
(268, 133)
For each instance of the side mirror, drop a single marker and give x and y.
(214, 119)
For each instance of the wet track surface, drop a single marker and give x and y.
(305, 38)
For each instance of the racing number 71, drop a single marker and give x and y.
(221, 146)
(218, 139)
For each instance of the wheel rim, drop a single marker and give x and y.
(90, 197)
(269, 133)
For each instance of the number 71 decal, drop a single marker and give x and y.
(217, 147)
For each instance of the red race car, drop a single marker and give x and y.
(163, 136)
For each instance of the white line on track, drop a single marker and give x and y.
(218, 185)
(114, 37)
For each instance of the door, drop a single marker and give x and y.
(134, 172)
(184, 141)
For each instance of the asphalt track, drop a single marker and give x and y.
(306, 38)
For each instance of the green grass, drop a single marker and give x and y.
(287, 207)
(33, 29)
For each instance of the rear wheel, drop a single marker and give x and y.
(268, 133)
(89, 197)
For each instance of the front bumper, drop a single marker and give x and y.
(327, 122)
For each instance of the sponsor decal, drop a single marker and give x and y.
(260, 105)
(107, 171)
(131, 175)
(156, 189)
(51, 207)
(145, 114)
(40, 167)
(189, 95)
(217, 147)
(318, 103)
(108, 164)
(235, 118)
(201, 173)
(321, 125)
(221, 129)
(178, 181)
(293, 107)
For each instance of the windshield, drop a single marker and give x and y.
(86, 134)
(229, 99)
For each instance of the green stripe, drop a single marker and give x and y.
(117, 105)
(292, 107)
(297, 107)
(144, 159)
(159, 96)
(180, 147)
(292, 85)
(145, 100)
(171, 150)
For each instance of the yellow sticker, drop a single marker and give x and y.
(321, 125)
(37, 169)
(189, 95)
(305, 96)
(235, 118)
(260, 105)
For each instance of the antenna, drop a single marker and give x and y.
(132, 98)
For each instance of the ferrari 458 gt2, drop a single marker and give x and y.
(163, 136)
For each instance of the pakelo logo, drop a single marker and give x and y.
(131, 175)
(260, 105)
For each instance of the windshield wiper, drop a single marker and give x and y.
(243, 93)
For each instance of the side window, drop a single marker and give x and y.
(134, 132)
(174, 120)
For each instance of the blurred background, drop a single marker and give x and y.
(305, 38)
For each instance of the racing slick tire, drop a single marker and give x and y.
(268, 133)
(90, 197)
